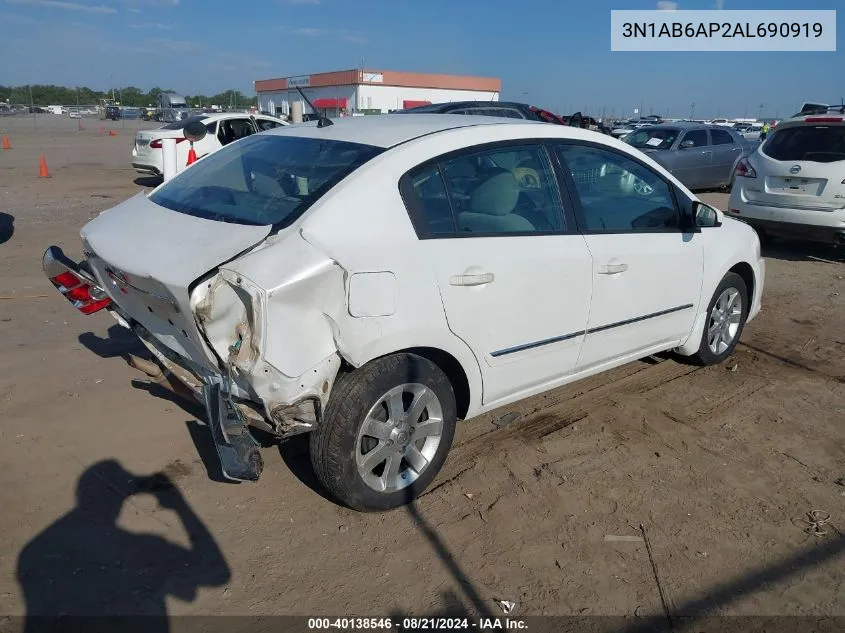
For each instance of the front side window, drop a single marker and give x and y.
(618, 194)
(695, 138)
(265, 124)
(505, 190)
(262, 180)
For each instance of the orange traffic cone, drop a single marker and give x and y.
(112, 133)
(42, 171)
(6, 143)
(192, 155)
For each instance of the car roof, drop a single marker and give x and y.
(455, 105)
(216, 116)
(689, 125)
(386, 130)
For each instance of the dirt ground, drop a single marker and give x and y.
(718, 464)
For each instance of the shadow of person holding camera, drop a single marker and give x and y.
(85, 566)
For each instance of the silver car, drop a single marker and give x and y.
(700, 156)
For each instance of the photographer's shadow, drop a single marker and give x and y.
(86, 565)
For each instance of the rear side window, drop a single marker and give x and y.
(505, 190)
(816, 143)
(721, 137)
(262, 180)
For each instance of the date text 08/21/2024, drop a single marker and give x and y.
(722, 29)
(416, 624)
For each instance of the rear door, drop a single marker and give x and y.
(693, 162)
(801, 166)
(726, 150)
(513, 273)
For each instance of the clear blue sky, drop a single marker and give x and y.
(552, 53)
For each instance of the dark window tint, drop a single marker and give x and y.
(617, 193)
(721, 137)
(817, 143)
(178, 125)
(698, 138)
(505, 190)
(230, 130)
(429, 203)
(264, 124)
(262, 180)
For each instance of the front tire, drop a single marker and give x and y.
(386, 432)
(726, 314)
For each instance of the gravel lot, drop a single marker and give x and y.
(718, 464)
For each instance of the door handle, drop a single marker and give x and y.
(612, 269)
(471, 280)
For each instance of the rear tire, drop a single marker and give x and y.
(726, 314)
(386, 432)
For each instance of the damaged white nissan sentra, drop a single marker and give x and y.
(375, 279)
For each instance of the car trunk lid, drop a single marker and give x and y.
(147, 258)
(143, 138)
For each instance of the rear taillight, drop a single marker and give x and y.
(84, 296)
(156, 144)
(824, 119)
(744, 169)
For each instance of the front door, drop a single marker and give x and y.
(513, 273)
(648, 269)
(693, 160)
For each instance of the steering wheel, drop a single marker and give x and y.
(642, 187)
(631, 183)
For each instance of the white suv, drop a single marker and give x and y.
(794, 184)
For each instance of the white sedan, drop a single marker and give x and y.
(375, 279)
(222, 129)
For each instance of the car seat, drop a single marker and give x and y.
(491, 207)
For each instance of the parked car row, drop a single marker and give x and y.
(221, 129)
(308, 279)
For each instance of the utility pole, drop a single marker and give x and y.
(760, 115)
(32, 108)
(692, 111)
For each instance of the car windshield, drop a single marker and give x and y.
(178, 125)
(817, 143)
(262, 180)
(652, 138)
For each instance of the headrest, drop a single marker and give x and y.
(496, 196)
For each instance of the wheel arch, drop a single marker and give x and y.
(746, 272)
(456, 361)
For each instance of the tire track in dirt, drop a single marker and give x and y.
(562, 408)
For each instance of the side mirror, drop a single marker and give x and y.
(705, 215)
(686, 144)
(195, 131)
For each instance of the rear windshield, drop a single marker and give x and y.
(652, 138)
(262, 180)
(816, 143)
(178, 125)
